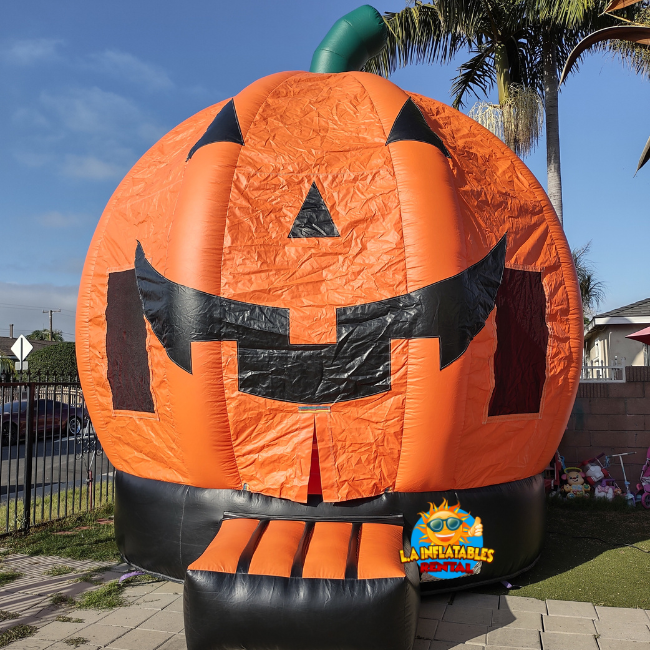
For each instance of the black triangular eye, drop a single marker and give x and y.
(411, 125)
(224, 128)
(314, 219)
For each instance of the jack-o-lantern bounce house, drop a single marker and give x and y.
(329, 333)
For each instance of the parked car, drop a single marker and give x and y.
(52, 416)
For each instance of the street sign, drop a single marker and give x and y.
(21, 348)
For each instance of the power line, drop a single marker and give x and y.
(69, 311)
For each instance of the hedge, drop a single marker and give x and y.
(59, 359)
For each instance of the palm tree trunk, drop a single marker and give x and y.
(552, 127)
(502, 66)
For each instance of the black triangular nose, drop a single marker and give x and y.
(314, 219)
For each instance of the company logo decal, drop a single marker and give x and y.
(447, 542)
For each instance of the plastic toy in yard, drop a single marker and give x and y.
(643, 488)
(575, 483)
(607, 489)
(553, 476)
(594, 470)
(329, 333)
(629, 497)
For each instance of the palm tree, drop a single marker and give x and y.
(44, 335)
(519, 45)
(592, 290)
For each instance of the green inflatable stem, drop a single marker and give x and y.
(353, 39)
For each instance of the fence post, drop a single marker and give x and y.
(27, 487)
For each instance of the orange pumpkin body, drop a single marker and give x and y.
(407, 217)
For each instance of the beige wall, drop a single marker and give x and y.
(610, 342)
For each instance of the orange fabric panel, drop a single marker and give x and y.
(198, 227)
(359, 442)
(407, 217)
(145, 445)
(328, 551)
(226, 548)
(342, 148)
(496, 194)
(427, 193)
(277, 548)
(312, 325)
(379, 549)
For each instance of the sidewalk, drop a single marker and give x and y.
(153, 620)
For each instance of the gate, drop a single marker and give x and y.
(52, 464)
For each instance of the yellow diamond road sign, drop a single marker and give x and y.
(21, 348)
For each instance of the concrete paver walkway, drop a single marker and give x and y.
(153, 620)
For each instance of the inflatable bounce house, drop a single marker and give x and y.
(329, 333)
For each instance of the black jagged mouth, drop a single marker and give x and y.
(358, 365)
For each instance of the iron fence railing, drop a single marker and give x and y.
(51, 462)
(599, 373)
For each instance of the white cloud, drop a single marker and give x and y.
(30, 51)
(69, 265)
(85, 133)
(29, 117)
(57, 219)
(33, 158)
(23, 305)
(91, 167)
(91, 110)
(127, 67)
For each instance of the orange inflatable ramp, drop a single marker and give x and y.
(293, 584)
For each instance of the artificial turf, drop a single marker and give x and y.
(584, 556)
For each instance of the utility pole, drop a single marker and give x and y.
(51, 311)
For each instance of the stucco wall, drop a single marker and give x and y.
(611, 418)
(616, 345)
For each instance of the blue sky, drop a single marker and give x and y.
(87, 88)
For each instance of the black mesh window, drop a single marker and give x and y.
(126, 337)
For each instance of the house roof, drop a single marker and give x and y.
(6, 342)
(638, 313)
(641, 308)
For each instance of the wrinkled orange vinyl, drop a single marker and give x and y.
(407, 217)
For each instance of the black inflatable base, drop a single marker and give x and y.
(164, 527)
(258, 612)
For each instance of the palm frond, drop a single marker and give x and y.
(635, 56)
(645, 156)
(633, 34)
(415, 35)
(592, 290)
(478, 72)
(615, 5)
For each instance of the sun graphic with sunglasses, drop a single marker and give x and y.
(446, 526)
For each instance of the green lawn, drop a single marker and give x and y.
(62, 504)
(575, 566)
(94, 541)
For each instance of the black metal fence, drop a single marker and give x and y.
(52, 464)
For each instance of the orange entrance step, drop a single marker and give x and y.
(303, 585)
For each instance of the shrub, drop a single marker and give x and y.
(59, 359)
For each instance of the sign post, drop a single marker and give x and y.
(21, 348)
